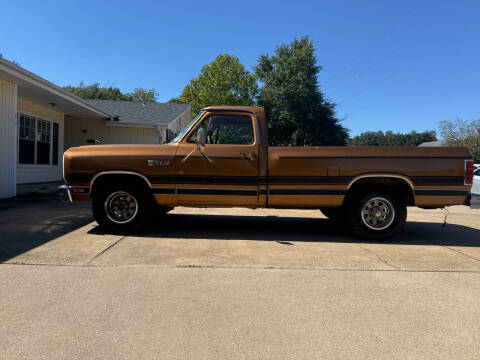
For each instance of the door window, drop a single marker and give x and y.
(226, 130)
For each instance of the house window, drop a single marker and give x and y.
(43, 142)
(37, 141)
(26, 142)
(55, 144)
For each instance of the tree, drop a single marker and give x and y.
(296, 110)
(462, 133)
(222, 82)
(389, 138)
(144, 95)
(97, 92)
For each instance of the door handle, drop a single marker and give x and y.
(251, 155)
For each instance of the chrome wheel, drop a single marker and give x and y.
(378, 213)
(121, 207)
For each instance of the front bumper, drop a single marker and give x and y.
(65, 193)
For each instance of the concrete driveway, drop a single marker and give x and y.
(44, 231)
(236, 283)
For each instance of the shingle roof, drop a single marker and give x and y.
(142, 113)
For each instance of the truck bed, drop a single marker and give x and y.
(436, 175)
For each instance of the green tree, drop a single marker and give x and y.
(144, 95)
(462, 133)
(222, 82)
(296, 110)
(389, 138)
(97, 92)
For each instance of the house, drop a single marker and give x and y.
(39, 121)
(129, 122)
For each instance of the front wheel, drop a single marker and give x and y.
(121, 208)
(377, 215)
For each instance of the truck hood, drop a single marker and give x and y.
(84, 161)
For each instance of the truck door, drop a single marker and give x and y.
(224, 170)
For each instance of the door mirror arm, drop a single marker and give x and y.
(200, 143)
(203, 153)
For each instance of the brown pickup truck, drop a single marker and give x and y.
(222, 159)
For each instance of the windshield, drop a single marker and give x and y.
(180, 135)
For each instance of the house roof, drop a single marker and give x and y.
(31, 86)
(149, 113)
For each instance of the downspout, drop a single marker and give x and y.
(159, 130)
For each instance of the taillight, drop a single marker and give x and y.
(468, 172)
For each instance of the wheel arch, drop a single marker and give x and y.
(399, 183)
(100, 178)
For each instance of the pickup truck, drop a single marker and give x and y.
(222, 159)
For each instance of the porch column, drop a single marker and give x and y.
(8, 139)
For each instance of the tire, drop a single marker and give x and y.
(336, 214)
(377, 215)
(122, 208)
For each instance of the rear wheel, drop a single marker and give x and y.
(377, 215)
(121, 208)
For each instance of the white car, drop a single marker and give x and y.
(476, 180)
(475, 201)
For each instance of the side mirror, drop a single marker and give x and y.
(201, 137)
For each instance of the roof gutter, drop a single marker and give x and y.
(36, 80)
(130, 124)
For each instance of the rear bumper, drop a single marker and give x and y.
(474, 201)
(65, 193)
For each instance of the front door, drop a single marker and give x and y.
(224, 171)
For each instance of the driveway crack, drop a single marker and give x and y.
(460, 252)
(379, 257)
(103, 251)
(442, 245)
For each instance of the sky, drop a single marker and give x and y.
(388, 65)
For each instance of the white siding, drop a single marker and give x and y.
(8, 141)
(185, 118)
(77, 131)
(41, 173)
(176, 125)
